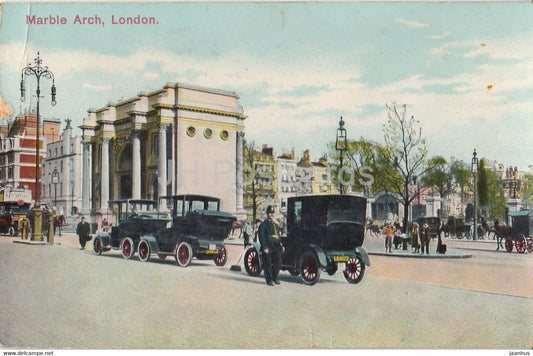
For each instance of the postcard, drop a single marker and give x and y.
(350, 176)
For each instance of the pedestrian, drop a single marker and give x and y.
(246, 232)
(270, 239)
(414, 239)
(425, 236)
(105, 225)
(389, 233)
(83, 229)
(256, 230)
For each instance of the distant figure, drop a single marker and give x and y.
(246, 232)
(425, 237)
(257, 223)
(414, 240)
(83, 229)
(105, 225)
(389, 232)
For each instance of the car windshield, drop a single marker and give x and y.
(344, 211)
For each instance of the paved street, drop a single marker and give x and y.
(61, 297)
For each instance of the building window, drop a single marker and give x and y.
(155, 143)
(208, 133)
(191, 131)
(10, 172)
(224, 135)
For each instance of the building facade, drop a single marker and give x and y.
(62, 173)
(181, 139)
(18, 151)
(260, 182)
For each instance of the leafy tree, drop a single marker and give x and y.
(490, 192)
(526, 189)
(461, 173)
(439, 176)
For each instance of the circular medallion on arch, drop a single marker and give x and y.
(224, 135)
(191, 131)
(208, 133)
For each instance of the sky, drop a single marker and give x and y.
(461, 68)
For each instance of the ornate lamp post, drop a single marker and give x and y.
(55, 180)
(341, 145)
(475, 163)
(38, 71)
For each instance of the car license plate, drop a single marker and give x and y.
(211, 252)
(341, 258)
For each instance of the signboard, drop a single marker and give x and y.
(17, 195)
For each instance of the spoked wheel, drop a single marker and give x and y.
(183, 254)
(520, 244)
(222, 257)
(529, 244)
(97, 246)
(509, 245)
(309, 268)
(127, 248)
(355, 270)
(143, 250)
(251, 262)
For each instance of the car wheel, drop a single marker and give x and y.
(11, 231)
(520, 244)
(309, 268)
(97, 246)
(222, 257)
(509, 245)
(529, 244)
(183, 254)
(127, 248)
(355, 270)
(251, 262)
(143, 250)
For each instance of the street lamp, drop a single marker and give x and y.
(341, 145)
(475, 163)
(38, 71)
(55, 180)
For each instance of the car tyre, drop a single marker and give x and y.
(222, 257)
(355, 270)
(251, 262)
(97, 246)
(11, 231)
(309, 268)
(509, 245)
(143, 250)
(127, 249)
(183, 254)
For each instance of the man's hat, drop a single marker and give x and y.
(270, 209)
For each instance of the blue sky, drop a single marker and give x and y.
(298, 67)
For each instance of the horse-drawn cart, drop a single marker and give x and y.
(518, 234)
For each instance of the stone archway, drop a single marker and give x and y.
(124, 172)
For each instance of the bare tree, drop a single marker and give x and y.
(406, 151)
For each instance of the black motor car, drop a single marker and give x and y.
(322, 231)
(184, 226)
(433, 223)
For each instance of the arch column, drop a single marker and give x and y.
(162, 158)
(104, 186)
(86, 178)
(136, 165)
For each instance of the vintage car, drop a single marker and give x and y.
(322, 231)
(184, 226)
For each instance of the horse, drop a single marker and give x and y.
(237, 224)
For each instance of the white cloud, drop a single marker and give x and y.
(438, 37)
(412, 24)
(97, 87)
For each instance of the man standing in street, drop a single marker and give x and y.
(83, 229)
(425, 237)
(269, 237)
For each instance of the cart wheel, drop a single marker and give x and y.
(143, 250)
(183, 254)
(127, 248)
(11, 231)
(309, 268)
(520, 244)
(529, 244)
(355, 270)
(222, 257)
(97, 246)
(509, 245)
(251, 262)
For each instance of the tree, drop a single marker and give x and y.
(461, 173)
(439, 176)
(406, 151)
(526, 189)
(490, 192)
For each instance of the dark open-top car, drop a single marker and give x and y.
(322, 231)
(184, 226)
